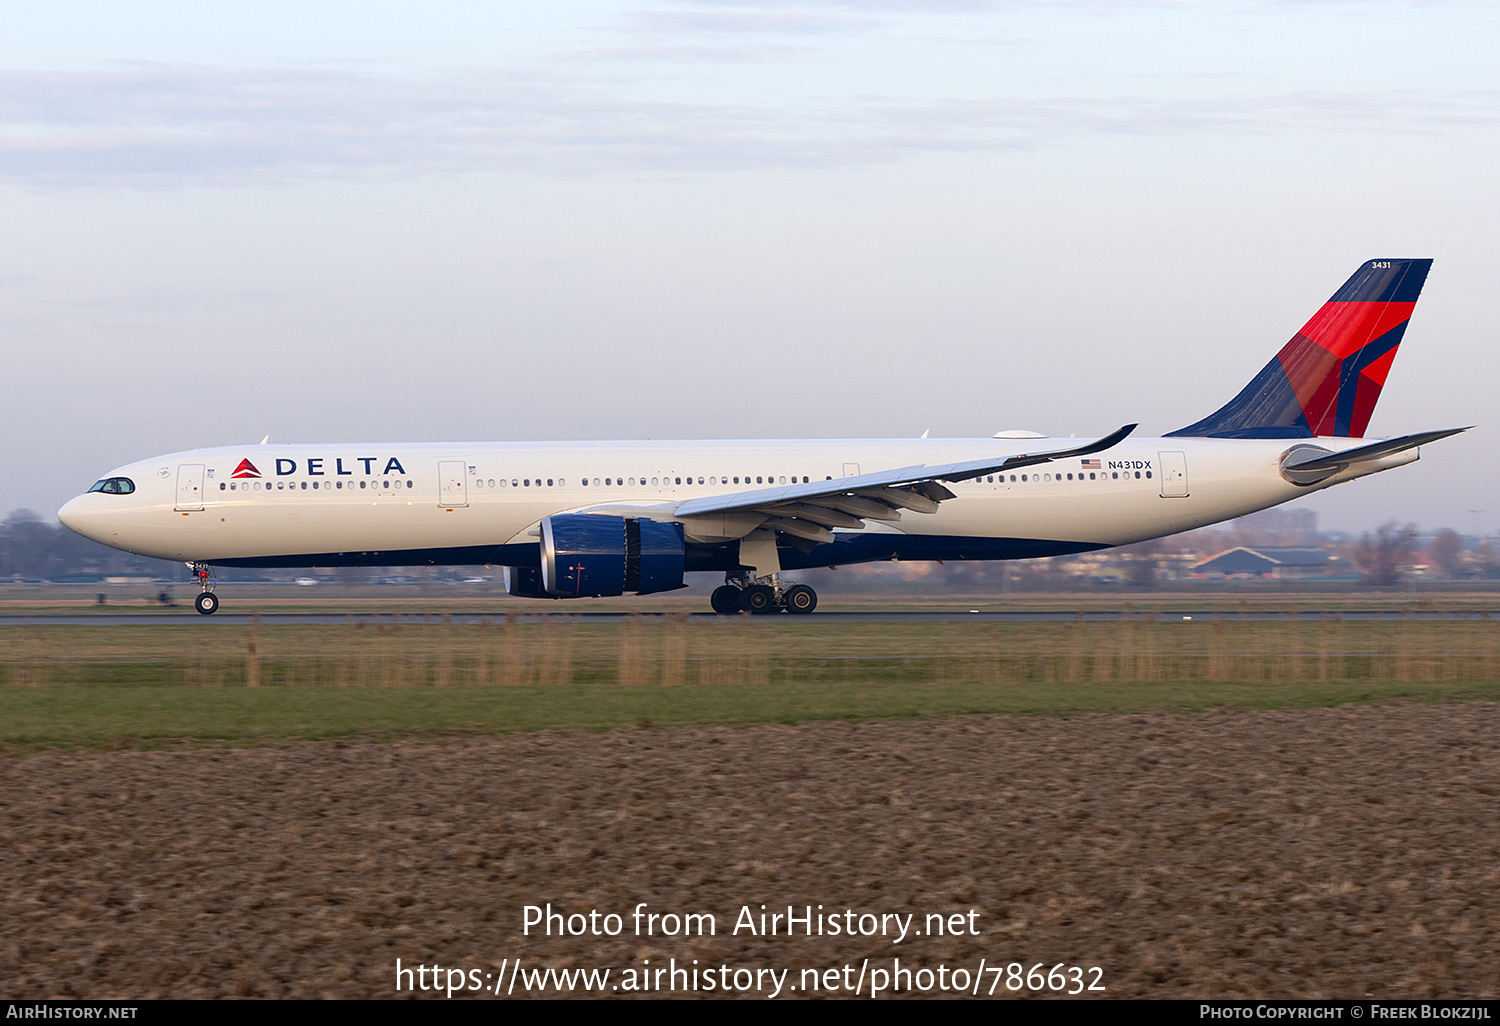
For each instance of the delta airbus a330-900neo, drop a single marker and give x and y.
(569, 519)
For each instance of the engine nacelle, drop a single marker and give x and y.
(588, 555)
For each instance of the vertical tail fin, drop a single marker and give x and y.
(1325, 381)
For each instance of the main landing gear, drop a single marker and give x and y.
(764, 595)
(207, 602)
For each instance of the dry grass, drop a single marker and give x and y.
(674, 650)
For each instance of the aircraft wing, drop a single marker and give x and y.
(810, 510)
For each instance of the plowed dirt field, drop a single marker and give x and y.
(1326, 852)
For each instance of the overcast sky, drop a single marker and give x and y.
(393, 221)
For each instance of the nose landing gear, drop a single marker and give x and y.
(207, 602)
(765, 595)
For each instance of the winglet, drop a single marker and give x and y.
(1109, 441)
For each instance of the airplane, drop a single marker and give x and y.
(576, 519)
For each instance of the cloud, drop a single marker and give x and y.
(153, 125)
(668, 54)
(758, 22)
(923, 7)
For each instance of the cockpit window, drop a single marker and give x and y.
(114, 486)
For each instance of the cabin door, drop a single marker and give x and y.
(1174, 483)
(453, 484)
(190, 486)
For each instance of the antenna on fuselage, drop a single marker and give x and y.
(264, 440)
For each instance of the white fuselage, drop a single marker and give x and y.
(308, 500)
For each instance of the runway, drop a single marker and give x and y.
(970, 615)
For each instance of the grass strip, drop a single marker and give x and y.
(96, 717)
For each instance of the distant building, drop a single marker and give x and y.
(1281, 562)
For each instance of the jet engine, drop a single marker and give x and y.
(588, 555)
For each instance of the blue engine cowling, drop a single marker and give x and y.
(588, 555)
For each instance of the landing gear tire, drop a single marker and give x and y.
(206, 603)
(758, 599)
(800, 598)
(725, 600)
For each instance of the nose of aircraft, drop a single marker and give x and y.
(76, 517)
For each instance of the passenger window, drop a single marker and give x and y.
(221, 486)
(1148, 475)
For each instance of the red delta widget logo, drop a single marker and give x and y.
(245, 469)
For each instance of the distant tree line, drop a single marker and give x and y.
(31, 548)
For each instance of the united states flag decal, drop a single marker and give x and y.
(1091, 464)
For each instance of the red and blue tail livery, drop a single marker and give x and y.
(1325, 381)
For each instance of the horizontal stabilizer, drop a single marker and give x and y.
(1331, 462)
